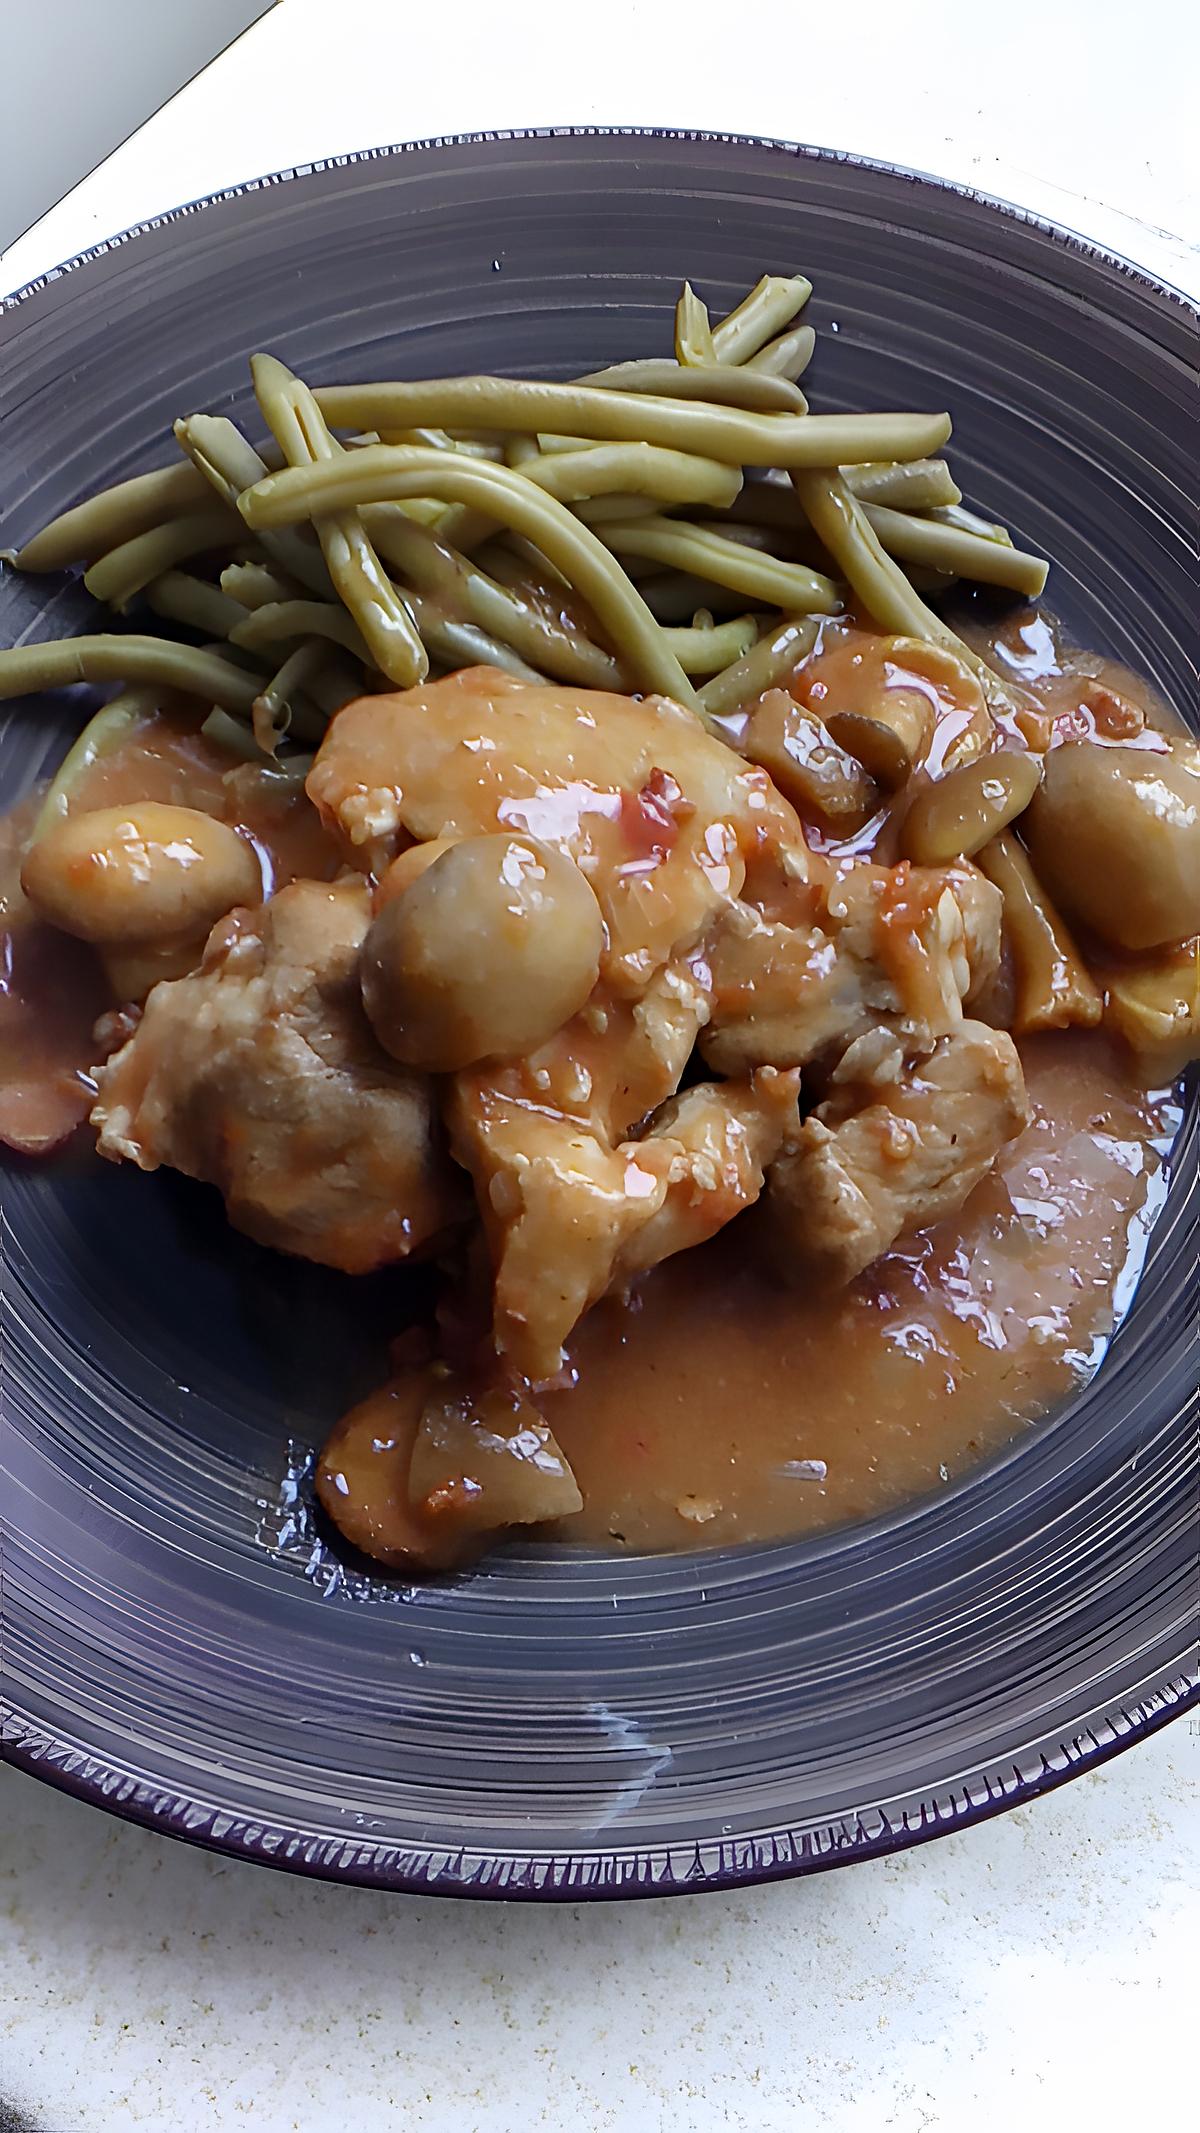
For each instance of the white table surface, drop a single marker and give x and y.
(1040, 1965)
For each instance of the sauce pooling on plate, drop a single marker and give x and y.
(716, 1403)
(709, 1400)
(588, 865)
(719, 1405)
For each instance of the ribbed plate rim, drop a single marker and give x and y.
(1048, 1762)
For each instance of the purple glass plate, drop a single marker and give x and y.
(179, 1645)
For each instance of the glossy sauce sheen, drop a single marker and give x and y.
(53, 988)
(719, 1405)
(51, 992)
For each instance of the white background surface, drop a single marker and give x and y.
(1038, 1971)
(1038, 1967)
(57, 51)
(1081, 109)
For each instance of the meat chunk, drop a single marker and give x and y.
(881, 1159)
(663, 820)
(981, 907)
(570, 1215)
(658, 814)
(260, 1075)
(721, 925)
(903, 946)
(718, 1140)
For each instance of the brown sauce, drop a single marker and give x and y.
(51, 992)
(164, 758)
(53, 989)
(719, 1405)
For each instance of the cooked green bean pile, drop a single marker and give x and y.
(674, 524)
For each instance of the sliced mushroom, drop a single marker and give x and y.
(1115, 834)
(134, 971)
(409, 867)
(891, 738)
(806, 764)
(1052, 987)
(363, 1480)
(1155, 1007)
(955, 816)
(488, 1461)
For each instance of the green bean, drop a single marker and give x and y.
(64, 660)
(199, 606)
(693, 334)
(433, 567)
(461, 644)
(514, 564)
(600, 510)
(673, 596)
(964, 555)
(492, 442)
(914, 487)
(768, 663)
(117, 576)
(282, 707)
(281, 621)
(256, 584)
(552, 441)
(249, 662)
(438, 441)
(949, 512)
(233, 735)
(426, 510)
(779, 533)
(217, 447)
(842, 523)
(112, 724)
(770, 306)
(465, 528)
(931, 584)
(774, 504)
(336, 682)
(289, 621)
(706, 648)
(669, 477)
(292, 770)
(238, 740)
(722, 384)
(384, 473)
(513, 561)
(791, 586)
(766, 503)
(113, 517)
(788, 357)
(763, 538)
(361, 581)
(519, 449)
(725, 433)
